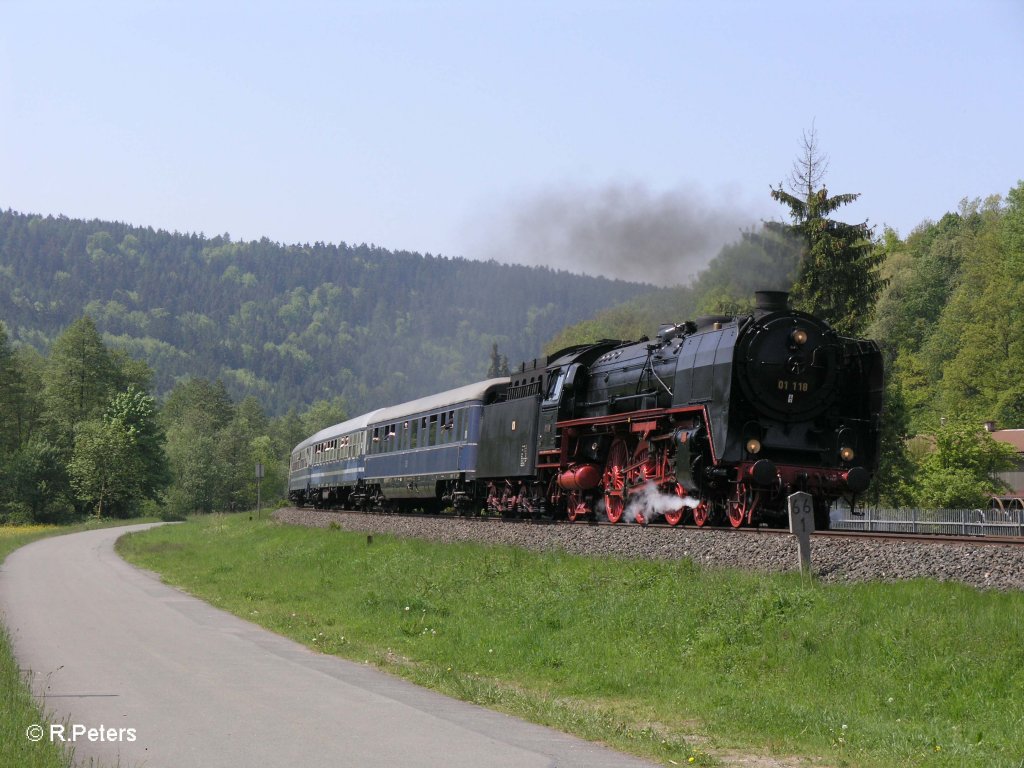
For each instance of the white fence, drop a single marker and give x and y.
(952, 522)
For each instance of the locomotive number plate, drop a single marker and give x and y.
(785, 385)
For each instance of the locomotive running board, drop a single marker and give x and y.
(640, 421)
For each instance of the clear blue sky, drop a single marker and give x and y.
(508, 130)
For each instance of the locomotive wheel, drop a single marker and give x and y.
(742, 506)
(615, 480)
(576, 508)
(701, 514)
(613, 508)
(675, 516)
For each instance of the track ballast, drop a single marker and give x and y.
(835, 557)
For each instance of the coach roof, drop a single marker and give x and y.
(336, 430)
(477, 392)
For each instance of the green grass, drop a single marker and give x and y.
(18, 709)
(661, 659)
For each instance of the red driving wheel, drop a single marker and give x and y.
(701, 514)
(615, 481)
(742, 506)
(675, 516)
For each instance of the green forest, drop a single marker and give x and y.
(289, 325)
(148, 372)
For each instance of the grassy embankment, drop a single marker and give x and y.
(660, 659)
(18, 710)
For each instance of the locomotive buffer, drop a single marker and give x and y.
(801, 523)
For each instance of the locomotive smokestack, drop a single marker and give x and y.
(771, 301)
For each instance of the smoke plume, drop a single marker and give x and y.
(621, 231)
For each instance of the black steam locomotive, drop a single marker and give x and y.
(718, 419)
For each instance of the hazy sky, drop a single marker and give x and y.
(586, 135)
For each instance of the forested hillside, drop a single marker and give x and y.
(952, 317)
(288, 324)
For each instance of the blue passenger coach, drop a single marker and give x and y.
(423, 452)
(426, 449)
(328, 468)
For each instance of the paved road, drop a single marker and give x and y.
(110, 646)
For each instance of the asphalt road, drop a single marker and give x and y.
(167, 680)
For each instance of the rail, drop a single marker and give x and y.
(953, 522)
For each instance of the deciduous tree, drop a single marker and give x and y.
(80, 378)
(961, 471)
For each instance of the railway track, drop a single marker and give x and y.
(934, 538)
(837, 556)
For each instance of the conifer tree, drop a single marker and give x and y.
(839, 269)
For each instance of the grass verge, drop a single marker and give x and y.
(661, 659)
(18, 709)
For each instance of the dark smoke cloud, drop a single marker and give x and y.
(622, 230)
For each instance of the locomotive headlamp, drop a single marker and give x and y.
(798, 337)
(846, 453)
(753, 445)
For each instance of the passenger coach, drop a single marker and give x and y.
(423, 451)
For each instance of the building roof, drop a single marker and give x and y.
(1014, 437)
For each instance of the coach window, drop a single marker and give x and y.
(432, 429)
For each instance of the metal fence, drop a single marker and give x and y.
(952, 522)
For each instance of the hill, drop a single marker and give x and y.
(290, 324)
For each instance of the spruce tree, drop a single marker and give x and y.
(839, 269)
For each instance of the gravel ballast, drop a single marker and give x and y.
(833, 559)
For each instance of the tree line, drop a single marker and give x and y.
(81, 435)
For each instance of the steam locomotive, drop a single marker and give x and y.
(714, 420)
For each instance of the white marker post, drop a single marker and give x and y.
(801, 523)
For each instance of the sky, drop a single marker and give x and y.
(630, 138)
